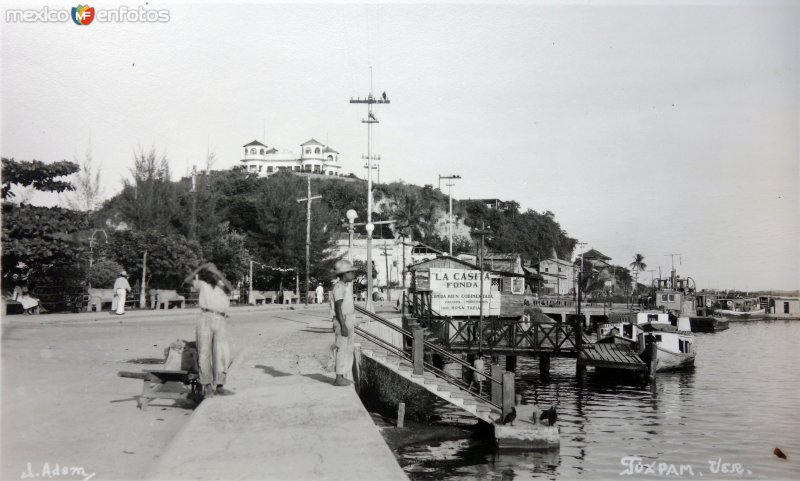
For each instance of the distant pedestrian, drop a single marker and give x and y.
(121, 288)
(320, 291)
(344, 321)
(478, 377)
(213, 351)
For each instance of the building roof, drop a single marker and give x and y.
(312, 142)
(272, 151)
(327, 150)
(255, 142)
(595, 254)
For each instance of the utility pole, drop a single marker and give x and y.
(193, 191)
(371, 119)
(307, 200)
(385, 253)
(377, 167)
(483, 231)
(580, 272)
(450, 177)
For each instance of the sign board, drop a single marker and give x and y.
(456, 292)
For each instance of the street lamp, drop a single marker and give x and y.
(352, 215)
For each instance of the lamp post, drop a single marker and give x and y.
(352, 215)
(369, 228)
(450, 201)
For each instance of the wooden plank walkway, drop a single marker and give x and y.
(613, 356)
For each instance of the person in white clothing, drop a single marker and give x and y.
(121, 288)
(320, 291)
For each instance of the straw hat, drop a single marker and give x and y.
(123, 273)
(343, 266)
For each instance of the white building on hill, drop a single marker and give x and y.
(315, 157)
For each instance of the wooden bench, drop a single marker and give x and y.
(95, 298)
(161, 298)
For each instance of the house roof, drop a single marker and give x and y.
(327, 150)
(595, 254)
(312, 142)
(272, 151)
(255, 142)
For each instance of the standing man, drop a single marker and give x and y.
(320, 291)
(344, 321)
(213, 351)
(121, 288)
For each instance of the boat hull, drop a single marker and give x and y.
(740, 314)
(708, 324)
(670, 361)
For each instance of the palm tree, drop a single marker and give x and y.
(638, 266)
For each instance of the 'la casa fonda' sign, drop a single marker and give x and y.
(457, 292)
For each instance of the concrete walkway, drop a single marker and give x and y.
(286, 420)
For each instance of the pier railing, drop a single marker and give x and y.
(501, 392)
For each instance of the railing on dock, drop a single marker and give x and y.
(501, 392)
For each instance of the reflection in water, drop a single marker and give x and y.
(737, 404)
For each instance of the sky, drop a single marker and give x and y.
(656, 129)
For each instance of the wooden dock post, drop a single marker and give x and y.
(497, 389)
(418, 349)
(401, 414)
(652, 348)
(511, 363)
(508, 393)
(544, 366)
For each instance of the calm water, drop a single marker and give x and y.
(740, 401)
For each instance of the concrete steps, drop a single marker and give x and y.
(434, 384)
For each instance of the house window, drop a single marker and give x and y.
(786, 308)
(316, 151)
(671, 297)
(547, 269)
(330, 172)
(269, 169)
(307, 168)
(658, 337)
(308, 150)
(330, 158)
(652, 318)
(316, 168)
(663, 298)
(259, 168)
(261, 151)
(253, 150)
(297, 168)
(559, 269)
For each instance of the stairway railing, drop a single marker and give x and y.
(503, 401)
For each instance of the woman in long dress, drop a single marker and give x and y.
(29, 303)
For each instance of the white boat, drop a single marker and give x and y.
(739, 308)
(674, 339)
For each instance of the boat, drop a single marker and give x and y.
(672, 335)
(679, 296)
(748, 308)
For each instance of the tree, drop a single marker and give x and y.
(149, 200)
(88, 189)
(37, 174)
(638, 266)
(169, 257)
(40, 243)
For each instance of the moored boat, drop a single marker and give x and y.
(672, 335)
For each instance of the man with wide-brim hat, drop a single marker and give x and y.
(121, 288)
(344, 320)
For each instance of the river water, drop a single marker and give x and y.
(740, 402)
